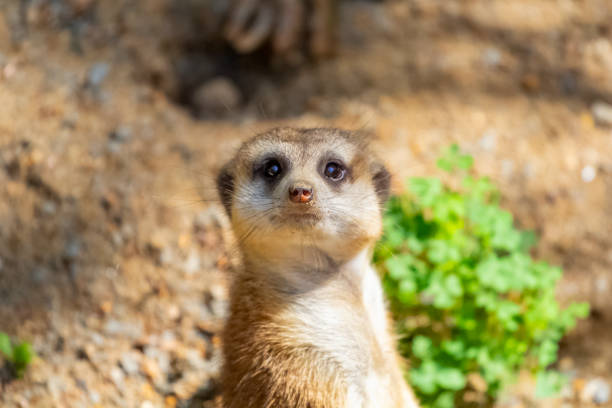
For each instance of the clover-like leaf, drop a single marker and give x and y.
(6, 349)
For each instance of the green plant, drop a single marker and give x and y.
(468, 299)
(18, 356)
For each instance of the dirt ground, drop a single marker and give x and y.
(115, 115)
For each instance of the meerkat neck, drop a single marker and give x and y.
(305, 271)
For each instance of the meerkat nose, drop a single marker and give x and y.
(300, 194)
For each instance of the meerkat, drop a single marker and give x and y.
(307, 325)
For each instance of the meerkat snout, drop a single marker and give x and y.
(300, 193)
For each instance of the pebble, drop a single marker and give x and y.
(48, 207)
(596, 390)
(588, 173)
(219, 95)
(128, 329)
(602, 285)
(117, 377)
(160, 357)
(507, 167)
(97, 74)
(488, 141)
(121, 134)
(151, 369)
(94, 397)
(40, 274)
(130, 362)
(72, 248)
(491, 57)
(602, 112)
(192, 264)
(477, 382)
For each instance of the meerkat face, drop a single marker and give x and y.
(304, 188)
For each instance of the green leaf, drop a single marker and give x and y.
(465, 291)
(421, 347)
(397, 267)
(424, 378)
(5, 346)
(406, 291)
(465, 162)
(426, 190)
(445, 400)
(445, 164)
(23, 355)
(549, 383)
(455, 348)
(547, 354)
(450, 379)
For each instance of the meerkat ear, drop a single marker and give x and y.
(225, 186)
(382, 182)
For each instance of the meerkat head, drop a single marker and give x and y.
(289, 190)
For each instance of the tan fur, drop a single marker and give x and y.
(308, 326)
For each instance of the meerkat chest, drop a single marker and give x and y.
(347, 321)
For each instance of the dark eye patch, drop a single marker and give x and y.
(333, 169)
(271, 168)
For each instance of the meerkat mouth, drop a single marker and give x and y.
(302, 218)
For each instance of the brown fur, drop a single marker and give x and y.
(300, 332)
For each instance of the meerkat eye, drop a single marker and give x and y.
(272, 169)
(334, 171)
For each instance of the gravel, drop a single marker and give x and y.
(596, 390)
(602, 113)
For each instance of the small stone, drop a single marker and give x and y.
(588, 173)
(151, 369)
(121, 134)
(40, 274)
(72, 248)
(170, 401)
(127, 329)
(602, 285)
(166, 256)
(217, 96)
(9, 70)
(602, 112)
(477, 382)
(147, 404)
(192, 264)
(579, 384)
(117, 377)
(566, 364)
(97, 74)
(94, 397)
(530, 82)
(160, 356)
(173, 312)
(130, 362)
(106, 307)
(491, 57)
(507, 167)
(597, 391)
(488, 141)
(48, 207)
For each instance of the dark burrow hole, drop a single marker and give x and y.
(220, 83)
(212, 80)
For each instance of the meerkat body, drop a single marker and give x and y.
(308, 326)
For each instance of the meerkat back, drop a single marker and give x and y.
(307, 326)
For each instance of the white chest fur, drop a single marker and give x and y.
(353, 333)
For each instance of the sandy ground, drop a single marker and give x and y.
(112, 254)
